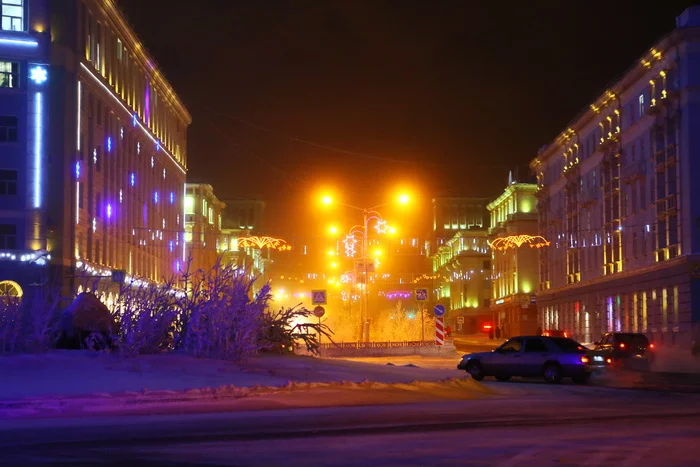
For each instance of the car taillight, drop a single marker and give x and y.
(651, 346)
(585, 359)
(622, 345)
(608, 360)
(566, 334)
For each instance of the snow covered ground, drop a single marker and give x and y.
(75, 383)
(73, 373)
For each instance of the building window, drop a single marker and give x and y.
(12, 15)
(8, 182)
(8, 129)
(641, 106)
(9, 75)
(8, 236)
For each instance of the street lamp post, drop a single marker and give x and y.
(368, 214)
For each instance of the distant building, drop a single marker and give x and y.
(461, 261)
(244, 214)
(515, 270)
(451, 215)
(93, 144)
(619, 199)
(203, 219)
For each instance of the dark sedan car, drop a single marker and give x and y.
(553, 358)
(622, 350)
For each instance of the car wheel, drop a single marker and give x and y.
(581, 379)
(502, 378)
(475, 371)
(552, 373)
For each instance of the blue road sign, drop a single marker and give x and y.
(318, 297)
(439, 310)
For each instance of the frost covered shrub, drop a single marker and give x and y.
(222, 316)
(281, 330)
(29, 325)
(147, 318)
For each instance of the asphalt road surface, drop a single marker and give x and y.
(563, 425)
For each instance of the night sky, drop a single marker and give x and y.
(446, 95)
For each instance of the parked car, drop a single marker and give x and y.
(553, 358)
(622, 350)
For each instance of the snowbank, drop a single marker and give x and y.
(64, 383)
(74, 373)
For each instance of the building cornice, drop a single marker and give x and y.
(638, 70)
(139, 52)
(508, 192)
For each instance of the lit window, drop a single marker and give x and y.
(210, 217)
(9, 74)
(641, 105)
(8, 129)
(188, 236)
(163, 174)
(153, 161)
(189, 204)
(12, 15)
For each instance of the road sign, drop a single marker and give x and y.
(422, 295)
(533, 299)
(319, 311)
(460, 320)
(318, 297)
(439, 310)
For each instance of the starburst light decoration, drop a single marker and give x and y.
(350, 241)
(264, 242)
(516, 241)
(381, 226)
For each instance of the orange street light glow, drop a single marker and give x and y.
(333, 230)
(404, 198)
(327, 200)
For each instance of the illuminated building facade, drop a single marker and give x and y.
(94, 150)
(461, 260)
(620, 202)
(515, 269)
(203, 221)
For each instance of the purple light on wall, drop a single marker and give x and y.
(147, 103)
(158, 146)
(145, 215)
(109, 210)
(77, 169)
(155, 197)
(132, 179)
(177, 266)
(109, 144)
(133, 120)
(171, 246)
(172, 197)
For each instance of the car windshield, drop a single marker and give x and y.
(633, 339)
(567, 345)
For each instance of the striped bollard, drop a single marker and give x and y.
(439, 331)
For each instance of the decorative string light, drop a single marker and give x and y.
(264, 242)
(516, 241)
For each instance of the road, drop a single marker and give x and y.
(545, 425)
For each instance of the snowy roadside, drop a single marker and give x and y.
(63, 382)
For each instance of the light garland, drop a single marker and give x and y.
(264, 242)
(516, 241)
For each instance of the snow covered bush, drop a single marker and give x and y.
(222, 315)
(283, 329)
(30, 324)
(147, 318)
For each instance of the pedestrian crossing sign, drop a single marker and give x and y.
(422, 295)
(318, 297)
